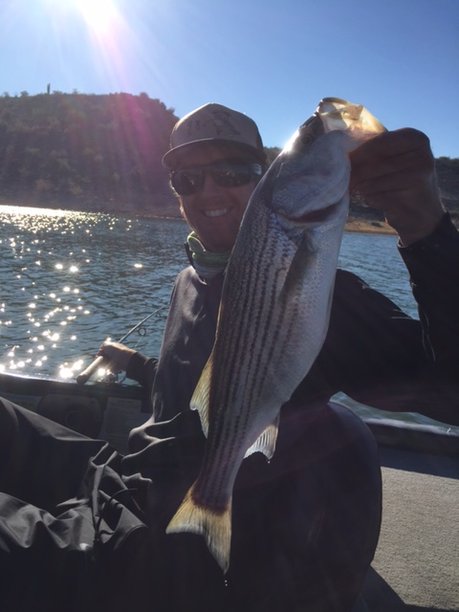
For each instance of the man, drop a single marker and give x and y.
(373, 352)
(305, 526)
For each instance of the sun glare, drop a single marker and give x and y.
(98, 14)
(103, 30)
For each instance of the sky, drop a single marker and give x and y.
(273, 60)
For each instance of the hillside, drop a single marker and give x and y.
(103, 153)
(85, 152)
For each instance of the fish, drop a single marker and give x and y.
(274, 310)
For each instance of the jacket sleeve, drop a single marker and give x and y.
(142, 369)
(433, 264)
(380, 356)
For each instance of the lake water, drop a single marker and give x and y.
(71, 279)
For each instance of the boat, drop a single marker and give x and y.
(416, 565)
(106, 411)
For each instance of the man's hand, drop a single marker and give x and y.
(117, 354)
(395, 172)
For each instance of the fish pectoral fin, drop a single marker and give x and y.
(215, 527)
(266, 442)
(200, 398)
(305, 252)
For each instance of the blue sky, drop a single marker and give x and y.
(273, 60)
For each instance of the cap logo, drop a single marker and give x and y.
(219, 122)
(223, 123)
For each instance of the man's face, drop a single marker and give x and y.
(214, 212)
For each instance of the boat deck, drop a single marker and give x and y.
(416, 566)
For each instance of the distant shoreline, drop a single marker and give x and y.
(369, 227)
(353, 224)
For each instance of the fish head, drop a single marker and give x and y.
(309, 181)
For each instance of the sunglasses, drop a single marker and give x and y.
(226, 173)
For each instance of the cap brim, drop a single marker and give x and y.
(172, 156)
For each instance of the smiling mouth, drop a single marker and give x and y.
(218, 212)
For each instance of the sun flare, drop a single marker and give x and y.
(98, 14)
(101, 31)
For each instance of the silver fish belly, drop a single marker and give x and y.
(274, 309)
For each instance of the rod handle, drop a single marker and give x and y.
(86, 374)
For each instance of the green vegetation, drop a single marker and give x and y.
(85, 152)
(103, 153)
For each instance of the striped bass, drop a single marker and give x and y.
(274, 309)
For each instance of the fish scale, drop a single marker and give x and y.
(274, 310)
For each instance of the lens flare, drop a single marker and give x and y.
(98, 14)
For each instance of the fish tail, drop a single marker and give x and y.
(214, 526)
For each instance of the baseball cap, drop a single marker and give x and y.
(218, 124)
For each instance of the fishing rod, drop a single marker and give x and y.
(98, 362)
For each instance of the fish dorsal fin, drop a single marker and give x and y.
(200, 397)
(266, 442)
